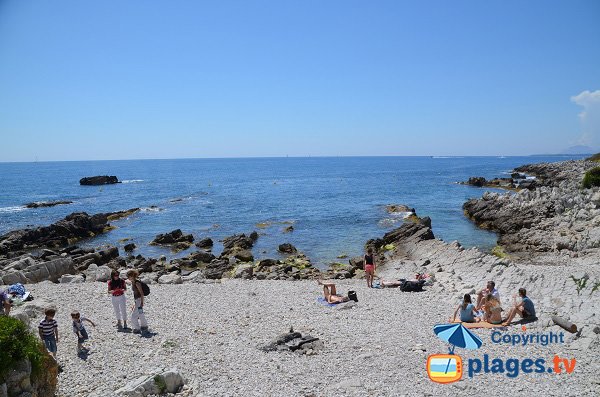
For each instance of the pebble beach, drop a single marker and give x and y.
(211, 334)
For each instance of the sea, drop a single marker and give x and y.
(335, 204)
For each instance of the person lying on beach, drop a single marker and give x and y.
(524, 308)
(330, 293)
(490, 289)
(390, 283)
(492, 310)
(467, 311)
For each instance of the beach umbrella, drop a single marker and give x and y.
(458, 336)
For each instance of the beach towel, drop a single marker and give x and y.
(339, 306)
(481, 324)
(322, 301)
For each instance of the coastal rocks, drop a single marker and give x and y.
(44, 204)
(98, 180)
(551, 218)
(51, 270)
(217, 268)
(398, 208)
(129, 247)
(71, 279)
(294, 342)
(76, 226)
(293, 267)
(21, 381)
(205, 243)
(287, 248)
(172, 278)
(244, 271)
(97, 273)
(157, 383)
(175, 239)
(239, 246)
(201, 256)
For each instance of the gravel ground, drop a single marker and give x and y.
(210, 332)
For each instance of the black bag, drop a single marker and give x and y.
(412, 286)
(145, 288)
(352, 296)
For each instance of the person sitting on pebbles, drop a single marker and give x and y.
(492, 310)
(330, 293)
(467, 311)
(490, 289)
(524, 308)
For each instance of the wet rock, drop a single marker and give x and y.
(287, 248)
(173, 237)
(98, 180)
(205, 243)
(129, 247)
(44, 204)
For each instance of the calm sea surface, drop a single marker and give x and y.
(334, 204)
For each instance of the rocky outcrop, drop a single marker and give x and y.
(74, 227)
(43, 204)
(155, 384)
(175, 239)
(205, 243)
(22, 382)
(98, 180)
(557, 216)
(239, 246)
(287, 248)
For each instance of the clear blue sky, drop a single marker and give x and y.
(166, 79)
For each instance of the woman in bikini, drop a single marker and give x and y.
(330, 293)
(492, 310)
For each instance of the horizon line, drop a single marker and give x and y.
(299, 157)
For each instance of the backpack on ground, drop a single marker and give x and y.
(412, 286)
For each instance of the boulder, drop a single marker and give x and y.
(244, 255)
(477, 181)
(172, 278)
(129, 247)
(71, 279)
(235, 243)
(194, 277)
(201, 256)
(98, 180)
(243, 271)
(398, 208)
(217, 268)
(43, 204)
(287, 248)
(157, 383)
(174, 236)
(205, 243)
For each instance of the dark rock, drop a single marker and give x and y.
(48, 253)
(201, 256)
(217, 268)
(395, 208)
(287, 248)
(43, 204)
(129, 247)
(293, 341)
(237, 240)
(244, 255)
(357, 262)
(205, 243)
(77, 226)
(98, 180)
(254, 236)
(175, 236)
(477, 181)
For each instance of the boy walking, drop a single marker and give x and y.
(80, 331)
(48, 330)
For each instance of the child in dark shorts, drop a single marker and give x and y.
(79, 330)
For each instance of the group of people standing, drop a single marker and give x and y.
(48, 327)
(489, 309)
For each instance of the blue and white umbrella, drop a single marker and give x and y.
(458, 336)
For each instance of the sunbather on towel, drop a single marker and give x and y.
(492, 310)
(330, 293)
(524, 308)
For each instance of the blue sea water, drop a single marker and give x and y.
(334, 204)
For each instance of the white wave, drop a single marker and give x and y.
(17, 208)
(132, 181)
(151, 209)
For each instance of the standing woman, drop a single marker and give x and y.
(369, 267)
(117, 288)
(138, 319)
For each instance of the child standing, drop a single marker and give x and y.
(138, 319)
(117, 288)
(80, 330)
(48, 330)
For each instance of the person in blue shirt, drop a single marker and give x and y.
(524, 308)
(467, 311)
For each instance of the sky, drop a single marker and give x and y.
(191, 79)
